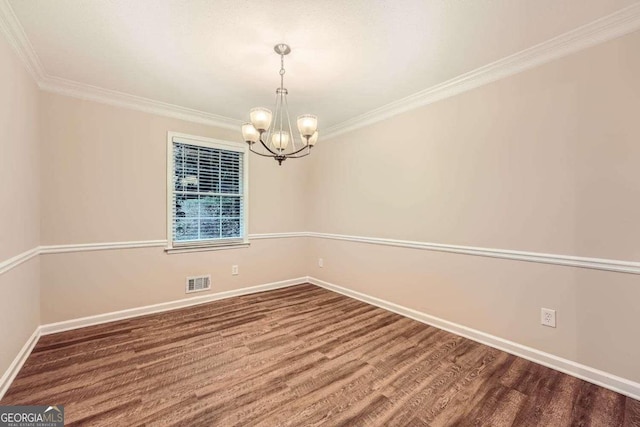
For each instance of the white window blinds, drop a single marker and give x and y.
(208, 193)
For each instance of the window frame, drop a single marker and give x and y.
(215, 244)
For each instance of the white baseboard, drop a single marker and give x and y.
(592, 375)
(604, 379)
(16, 365)
(67, 325)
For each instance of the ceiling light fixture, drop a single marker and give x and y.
(280, 142)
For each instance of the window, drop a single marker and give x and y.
(207, 192)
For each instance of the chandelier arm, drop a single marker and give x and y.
(302, 155)
(265, 146)
(259, 153)
(296, 152)
(263, 155)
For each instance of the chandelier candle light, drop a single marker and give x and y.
(279, 142)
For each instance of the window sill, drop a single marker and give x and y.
(204, 248)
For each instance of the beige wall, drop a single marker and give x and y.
(544, 161)
(88, 283)
(19, 213)
(104, 180)
(104, 175)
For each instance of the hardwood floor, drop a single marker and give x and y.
(299, 356)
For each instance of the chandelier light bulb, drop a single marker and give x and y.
(312, 139)
(260, 118)
(250, 133)
(280, 140)
(307, 124)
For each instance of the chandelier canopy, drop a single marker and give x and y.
(278, 141)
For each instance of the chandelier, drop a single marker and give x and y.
(278, 141)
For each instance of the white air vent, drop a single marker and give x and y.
(198, 283)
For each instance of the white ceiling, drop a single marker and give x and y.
(349, 56)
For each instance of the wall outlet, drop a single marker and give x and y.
(320, 262)
(548, 317)
(234, 270)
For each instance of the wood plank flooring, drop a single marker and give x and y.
(300, 356)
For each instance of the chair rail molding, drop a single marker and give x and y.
(83, 247)
(614, 265)
(18, 259)
(619, 266)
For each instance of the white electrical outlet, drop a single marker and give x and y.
(548, 317)
(320, 262)
(234, 270)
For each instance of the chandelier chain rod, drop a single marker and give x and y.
(282, 71)
(271, 128)
(286, 108)
(280, 110)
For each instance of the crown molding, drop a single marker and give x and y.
(14, 33)
(17, 39)
(604, 29)
(133, 102)
(607, 28)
